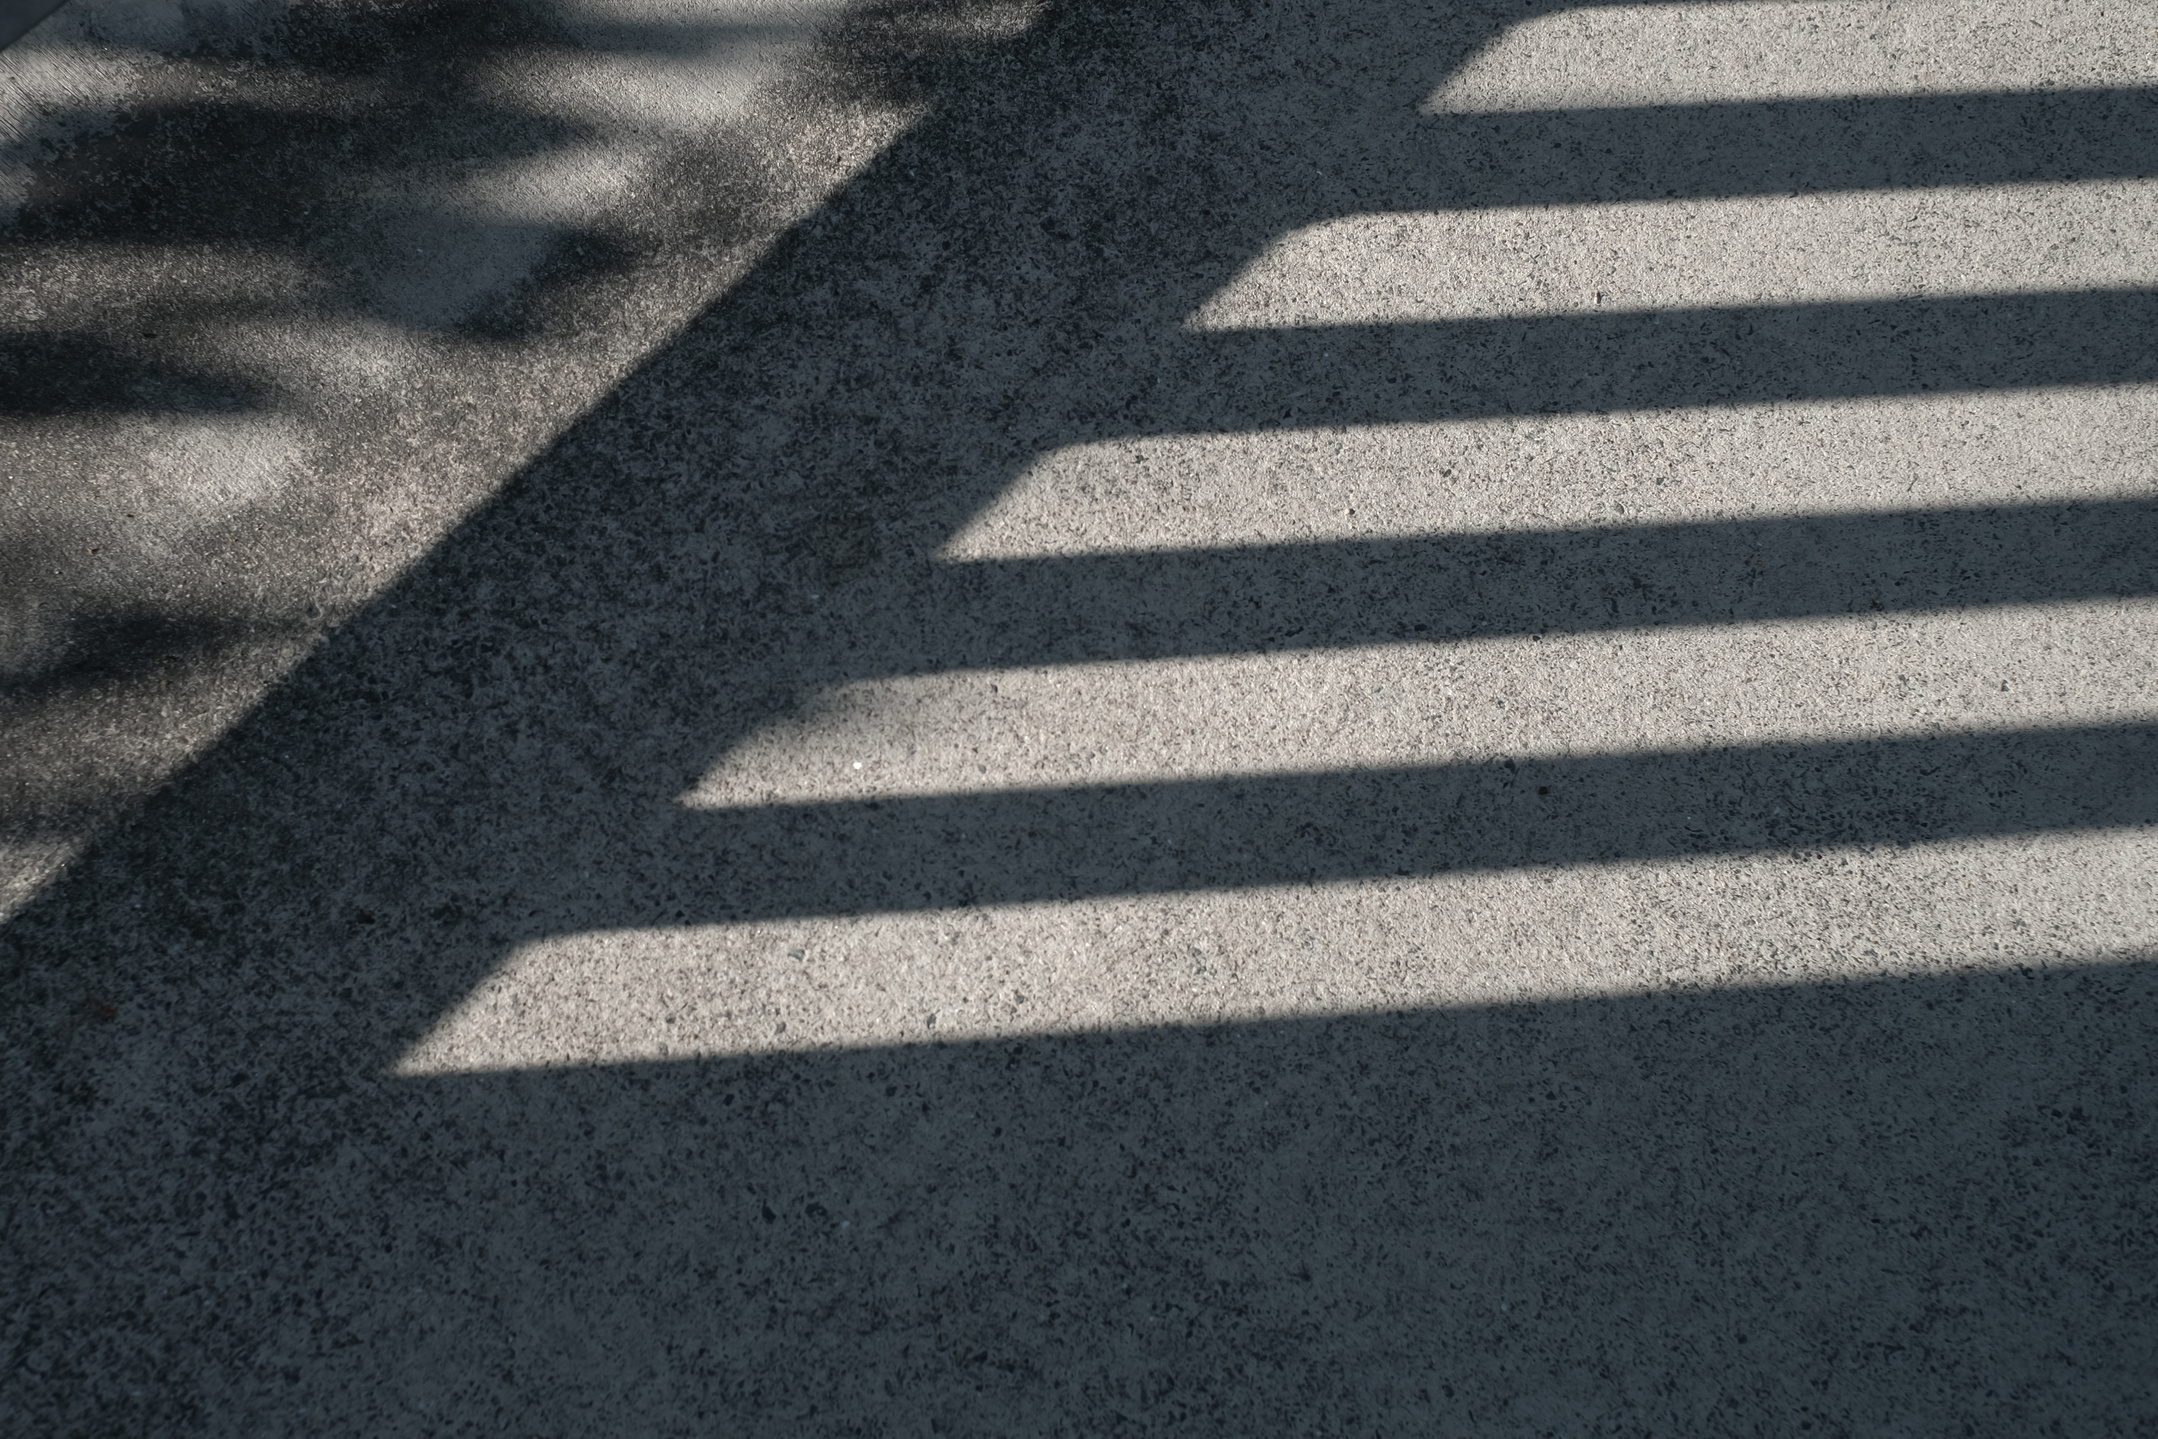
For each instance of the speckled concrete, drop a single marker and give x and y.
(1461, 859)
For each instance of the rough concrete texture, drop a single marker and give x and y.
(949, 718)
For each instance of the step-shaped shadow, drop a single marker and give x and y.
(1080, 608)
(1013, 847)
(1469, 369)
(1763, 148)
(1915, 1203)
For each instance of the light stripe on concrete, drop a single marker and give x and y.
(1191, 492)
(1384, 707)
(1540, 934)
(1669, 254)
(1618, 55)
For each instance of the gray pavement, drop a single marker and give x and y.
(995, 718)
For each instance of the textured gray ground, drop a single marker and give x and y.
(979, 719)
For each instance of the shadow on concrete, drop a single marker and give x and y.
(1070, 609)
(18, 17)
(324, 147)
(70, 374)
(876, 856)
(1922, 1205)
(1915, 1206)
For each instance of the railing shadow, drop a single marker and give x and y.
(1919, 1203)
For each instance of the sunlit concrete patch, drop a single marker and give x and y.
(1565, 696)
(1182, 492)
(677, 68)
(1667, 254)
(639, 80)
(96, 505)
(1543, 934)
(85, 286)
(27, 865)
(176, 475)
(1680, 54)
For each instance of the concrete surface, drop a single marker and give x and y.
(1073, 718)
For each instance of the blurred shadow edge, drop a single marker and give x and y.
(19, 17)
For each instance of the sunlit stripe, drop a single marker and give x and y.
(1523, 935)
(1668, 254)
(1871, 677)
(1191, 492)
(1693, 54)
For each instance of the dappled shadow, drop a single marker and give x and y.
(1919, 1204)
(319, 149)
(292, 287)
(68, 374)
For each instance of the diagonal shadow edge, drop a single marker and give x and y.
(19, 17)
(429, 580)
(257, 1155)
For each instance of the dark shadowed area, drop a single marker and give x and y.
(1916, 1205)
